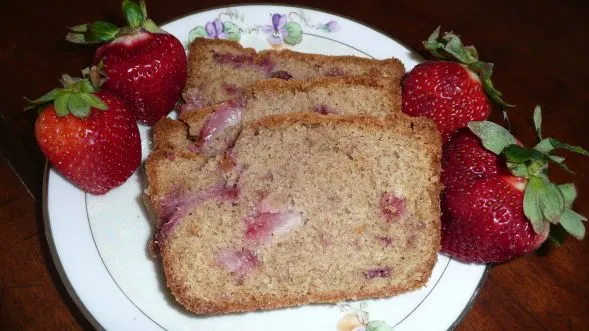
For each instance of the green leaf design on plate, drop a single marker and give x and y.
(378, 326)
(295, 33)
(198, 32)
(233, 32)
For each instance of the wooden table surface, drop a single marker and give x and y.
(539, 49)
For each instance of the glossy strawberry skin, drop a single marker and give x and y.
(446, 92)
(147, 69)
(482, 210)
(97, 153)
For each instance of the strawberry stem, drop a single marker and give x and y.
(100, 31)
(133, 13)
(450, 47)
(76, 98)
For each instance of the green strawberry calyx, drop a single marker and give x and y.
(100, 31)
(545, 204)
(76, 98)
(449, 46)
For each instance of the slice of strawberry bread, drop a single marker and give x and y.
(216, 127)
(304, 208)
(219, 70)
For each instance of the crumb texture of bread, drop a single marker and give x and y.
(220, 70)
(304, 208)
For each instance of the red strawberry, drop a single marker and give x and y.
(142, 63)
(450, 93)
(90, 137)
(498, 203)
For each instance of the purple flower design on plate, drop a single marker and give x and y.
(331, 26)
(215, 29)
(276, 32)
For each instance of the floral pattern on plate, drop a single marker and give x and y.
(357, 319)
(280, 30)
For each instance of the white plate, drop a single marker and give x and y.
(99, 242)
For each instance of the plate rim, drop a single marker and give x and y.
(47, 224)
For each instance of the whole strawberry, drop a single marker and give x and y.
(89, 136)
(498, 203)
(450, 93)
(142, 63)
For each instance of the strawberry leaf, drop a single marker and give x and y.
(572, 222)
(555, 158)
(61, 102)
(544, 146)
(85, 86)
(576, 149)
(92, 33)
(79, 28)
(78, 106)
(538, 122)
(569, 193)
(518, 154)
(94, 101)
(143, 8)
(103, 31)
(133, 13)
(531, 205)
(551, 202)
(455, 47)
(47, 97)
(150, 26)
(485, 70)
(433, 45)
(493, 136)
(518, 169)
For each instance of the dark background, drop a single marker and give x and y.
(539, 49)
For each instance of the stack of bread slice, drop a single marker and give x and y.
(292, 178)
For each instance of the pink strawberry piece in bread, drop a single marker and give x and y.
(225, 116)
(392, 207)
(381, 272)
(265, 225)
(240, 262)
